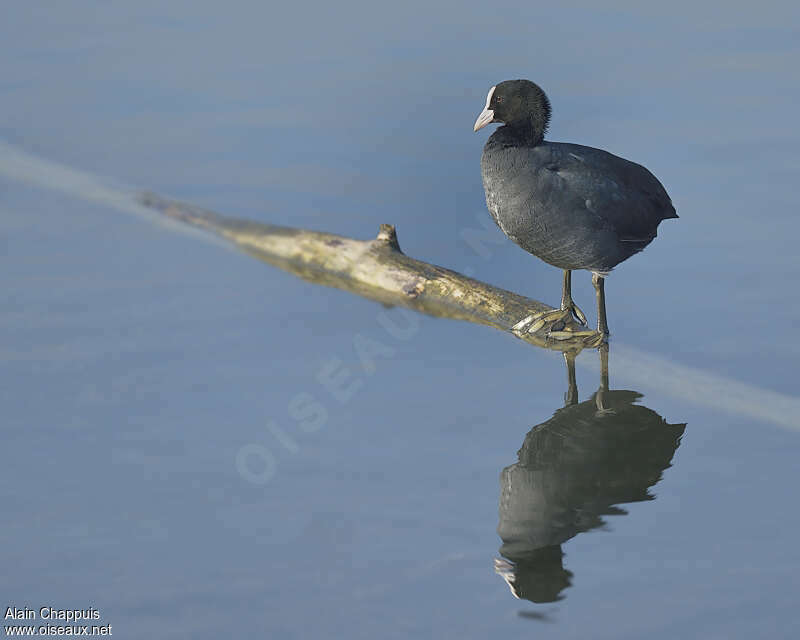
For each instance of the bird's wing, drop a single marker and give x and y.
(614, 193)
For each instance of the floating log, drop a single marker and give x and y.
(378, 269)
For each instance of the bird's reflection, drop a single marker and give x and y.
(573, 470)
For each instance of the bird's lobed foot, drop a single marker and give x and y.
(549, 322)
(546, 321)
(579, 315)
(559, 324)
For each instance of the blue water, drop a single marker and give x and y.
(174, 452)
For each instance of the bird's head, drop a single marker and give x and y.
(519, 104)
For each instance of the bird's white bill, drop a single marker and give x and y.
(487, 115)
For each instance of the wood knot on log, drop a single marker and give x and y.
(388, 236)
(413, 289)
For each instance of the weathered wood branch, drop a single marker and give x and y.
(378, 269)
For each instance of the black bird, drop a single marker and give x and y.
(575, 207)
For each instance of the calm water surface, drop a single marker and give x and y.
(174, 451)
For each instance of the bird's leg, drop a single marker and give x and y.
(599, 286)
(566, 298)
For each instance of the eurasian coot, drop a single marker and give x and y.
(574, 207)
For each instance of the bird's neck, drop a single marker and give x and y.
(525, 133)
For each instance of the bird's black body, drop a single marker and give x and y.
(575, 207)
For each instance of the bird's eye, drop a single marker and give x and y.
(498, 99)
